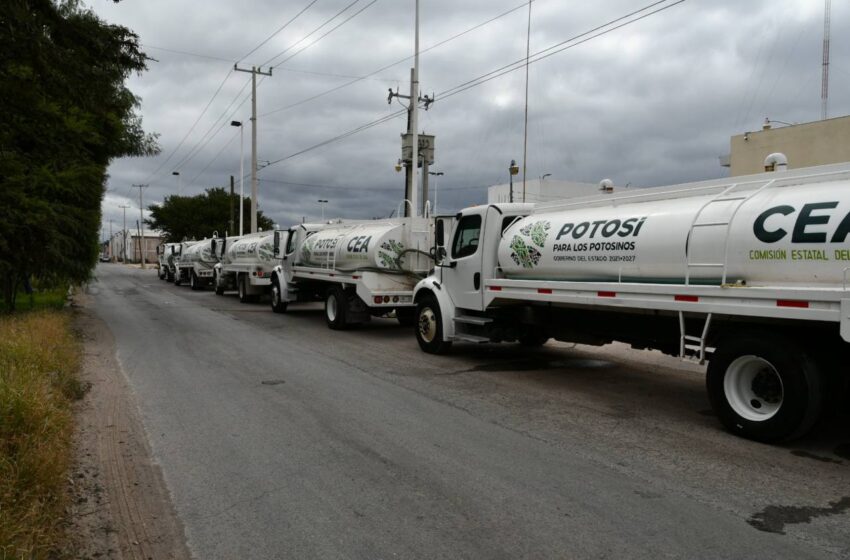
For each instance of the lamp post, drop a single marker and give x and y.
(322, 203)
(543, 177)
(241, 168)
(435, 174)
(179, 183)
(513, 170)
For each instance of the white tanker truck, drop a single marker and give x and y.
(245, 265)
(195, 264)
(750, 274)
(359, 269)
(165, 260)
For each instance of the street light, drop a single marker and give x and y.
(322, 205)
(179, 183)
(543, 177)
(241, 168)
(513, 170)
(435, 174)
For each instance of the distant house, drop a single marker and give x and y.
(125, 246)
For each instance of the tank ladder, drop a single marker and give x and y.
(727, 195)
(693, 347)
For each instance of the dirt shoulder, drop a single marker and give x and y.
(121, 506)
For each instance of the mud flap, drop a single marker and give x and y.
(845, 319)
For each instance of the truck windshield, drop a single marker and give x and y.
(466, 237)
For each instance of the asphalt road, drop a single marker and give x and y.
(279, 438)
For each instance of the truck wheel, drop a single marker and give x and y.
(278, 305)
(336, 309)
(193, 282)
(764, 387)
(242, 287)
(429, 326)
(405, 316)
(219, 290)
(162, 274)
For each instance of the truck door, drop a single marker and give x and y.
(462, 275)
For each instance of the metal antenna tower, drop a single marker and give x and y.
(824, 89)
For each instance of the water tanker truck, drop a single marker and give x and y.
(748, 274)
(165, 261)
(245, 265)
(360, 269)
(195, 265)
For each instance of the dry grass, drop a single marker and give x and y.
(39, 362)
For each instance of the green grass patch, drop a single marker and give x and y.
(46, 298)
(40, 359)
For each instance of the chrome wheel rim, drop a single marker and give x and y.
(427, 324)
(275, 296)
(331, 308)
(753, 388)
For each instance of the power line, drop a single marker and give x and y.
(305, 37)
(279, 29)
(538, 56)
(194, 124)
(206, 138)
(340, 24)
(400, 61)
(187, 53)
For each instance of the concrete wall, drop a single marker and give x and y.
(805, 145)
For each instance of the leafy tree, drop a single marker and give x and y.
(196, 217)
(65, 113)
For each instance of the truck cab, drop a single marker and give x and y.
(457, 282)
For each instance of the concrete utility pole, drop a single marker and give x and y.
(124, 235)
(230, 229)
(111, 252)
(414, 115)
(141, 223)
(525, 134)
(253, 71)
(824, 91)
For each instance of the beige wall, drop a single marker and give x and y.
(805, 145)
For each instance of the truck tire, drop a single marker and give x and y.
(162, 274)
(764, 387)
(169, 276)
(336, 309)
(193, 281)
(429, 326)
(219, 290)
(405, 316)
(242, 287)
(278, 305)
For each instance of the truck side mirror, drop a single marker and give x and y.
(276, 244)
(213, 246)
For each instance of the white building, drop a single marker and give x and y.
(120, 242)
(542, 190)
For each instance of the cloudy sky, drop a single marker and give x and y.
(651, 103)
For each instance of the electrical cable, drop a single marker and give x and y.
(305, 37)
(340, 24)
(279, 29)
(396, 63)
(536, 57)
(194, 124)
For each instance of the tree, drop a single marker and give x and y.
(65, 113)
(196, 217)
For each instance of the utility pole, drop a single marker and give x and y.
(824, 88)
(141, 223)
(111, 252)
(230, 229)
(525, 135)
(253, 71)
(124, 235)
